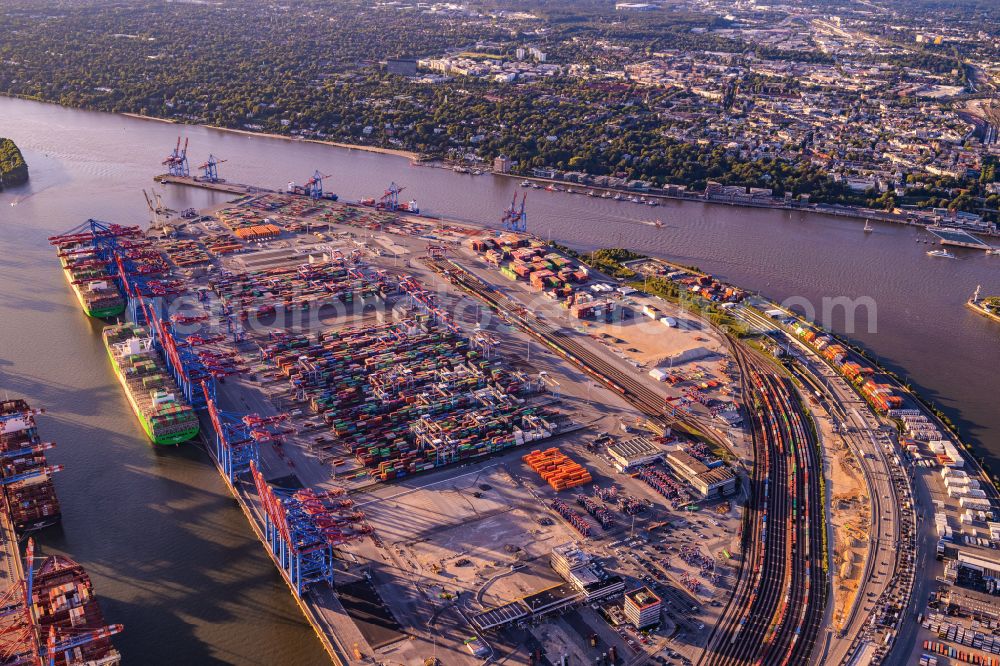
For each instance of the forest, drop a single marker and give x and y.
(13, 169)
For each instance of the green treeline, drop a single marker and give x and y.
(13, 169)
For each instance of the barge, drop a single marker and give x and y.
(30, 499)
(166, 418)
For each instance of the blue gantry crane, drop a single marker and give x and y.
(177, 161)
(210, 170)
(390, 200)
(238, 437)
(514, 218)
(314, 186)
(299, 546)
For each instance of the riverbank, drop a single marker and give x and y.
(414, 157)
(297, 139)
(851, 212)
(139, 116)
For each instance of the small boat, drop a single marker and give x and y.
(551, 188)
(606, 195)
(461, 169)
(994, 250)
(652, 202)
(868, 227)
(525, 183)
(591, 193)
(536, 186)
(658, 223)
(618, 197)
(944, 254)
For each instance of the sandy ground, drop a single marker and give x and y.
(850, 514)
(652, 343)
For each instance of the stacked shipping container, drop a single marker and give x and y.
(560, 471)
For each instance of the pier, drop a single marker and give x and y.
(215, 186)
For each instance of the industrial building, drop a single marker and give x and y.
(633, 453)
(642, 607)
(707, 481)
(579, 569)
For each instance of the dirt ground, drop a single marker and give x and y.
(850, 514)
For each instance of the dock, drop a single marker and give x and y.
(11, 575)
(958, 238)
(215, 186)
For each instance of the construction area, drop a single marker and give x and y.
(446, 463)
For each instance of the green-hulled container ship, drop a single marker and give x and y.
(97, 292)
(164, 415)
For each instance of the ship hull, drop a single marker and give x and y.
(173, 439)
(96, 313)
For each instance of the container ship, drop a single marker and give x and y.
(165, 417)
(31, 501)
(988, 306)
(96, 290)
(64, 604)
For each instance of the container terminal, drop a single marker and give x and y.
(51, 614)
(636, 404)
(460, 444)
(356, 363)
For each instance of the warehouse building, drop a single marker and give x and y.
(708, 482)
(633, 453)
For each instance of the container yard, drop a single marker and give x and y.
(399, 442)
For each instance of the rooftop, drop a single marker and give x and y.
(642, 597)
(539, 601)
(635, 448)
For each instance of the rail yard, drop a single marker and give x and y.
(462, 445)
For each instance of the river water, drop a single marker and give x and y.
(170, 554)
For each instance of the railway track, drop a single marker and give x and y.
(777, 606)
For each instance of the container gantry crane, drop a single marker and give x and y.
(177, 161)
(314, 186)
(515, 219)
(390, 200)
(298, 545)
(238, 437)
(210, 170)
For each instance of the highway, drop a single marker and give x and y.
(776, 610)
